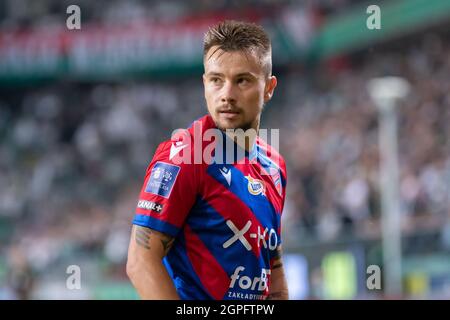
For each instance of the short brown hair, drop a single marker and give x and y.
(231, 35)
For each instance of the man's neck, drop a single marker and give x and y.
(244, 139)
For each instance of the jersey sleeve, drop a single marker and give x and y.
(168, 193)
(283, 177)
(283, 184)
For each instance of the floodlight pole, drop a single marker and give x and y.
(385, 92)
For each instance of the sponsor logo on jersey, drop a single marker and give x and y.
(245, 296)
(264, 238)
(245, 282)
(255, 186)
(150, 205)
(162, 179)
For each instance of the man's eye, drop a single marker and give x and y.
(215, 80)
(242, 81)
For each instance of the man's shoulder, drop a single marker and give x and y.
(270, 152)
(182, 143)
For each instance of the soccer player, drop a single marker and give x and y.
(211, 230)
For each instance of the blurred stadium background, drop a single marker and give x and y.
(82, 111)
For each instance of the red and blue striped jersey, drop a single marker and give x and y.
(225, 217)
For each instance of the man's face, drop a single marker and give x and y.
(236, 87)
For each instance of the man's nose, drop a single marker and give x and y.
(228, 93)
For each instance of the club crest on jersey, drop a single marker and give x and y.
(255, 186)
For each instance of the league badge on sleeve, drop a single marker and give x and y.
(162, 179)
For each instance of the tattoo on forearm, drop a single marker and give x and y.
(167, 244)
(275, 295)
(142, 236)
(277, 254)
(277, 259)
(278, 265)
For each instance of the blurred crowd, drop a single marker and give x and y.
(76, 156)
(25, 13)
(333, 144)
(73, 158)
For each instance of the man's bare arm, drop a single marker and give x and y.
(144, 266)
(278, 284)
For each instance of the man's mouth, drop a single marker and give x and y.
(229, 111)
(229, 114)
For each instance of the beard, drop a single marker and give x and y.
(244, 126)
(224, 125)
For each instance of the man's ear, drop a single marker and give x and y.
(271, 83)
